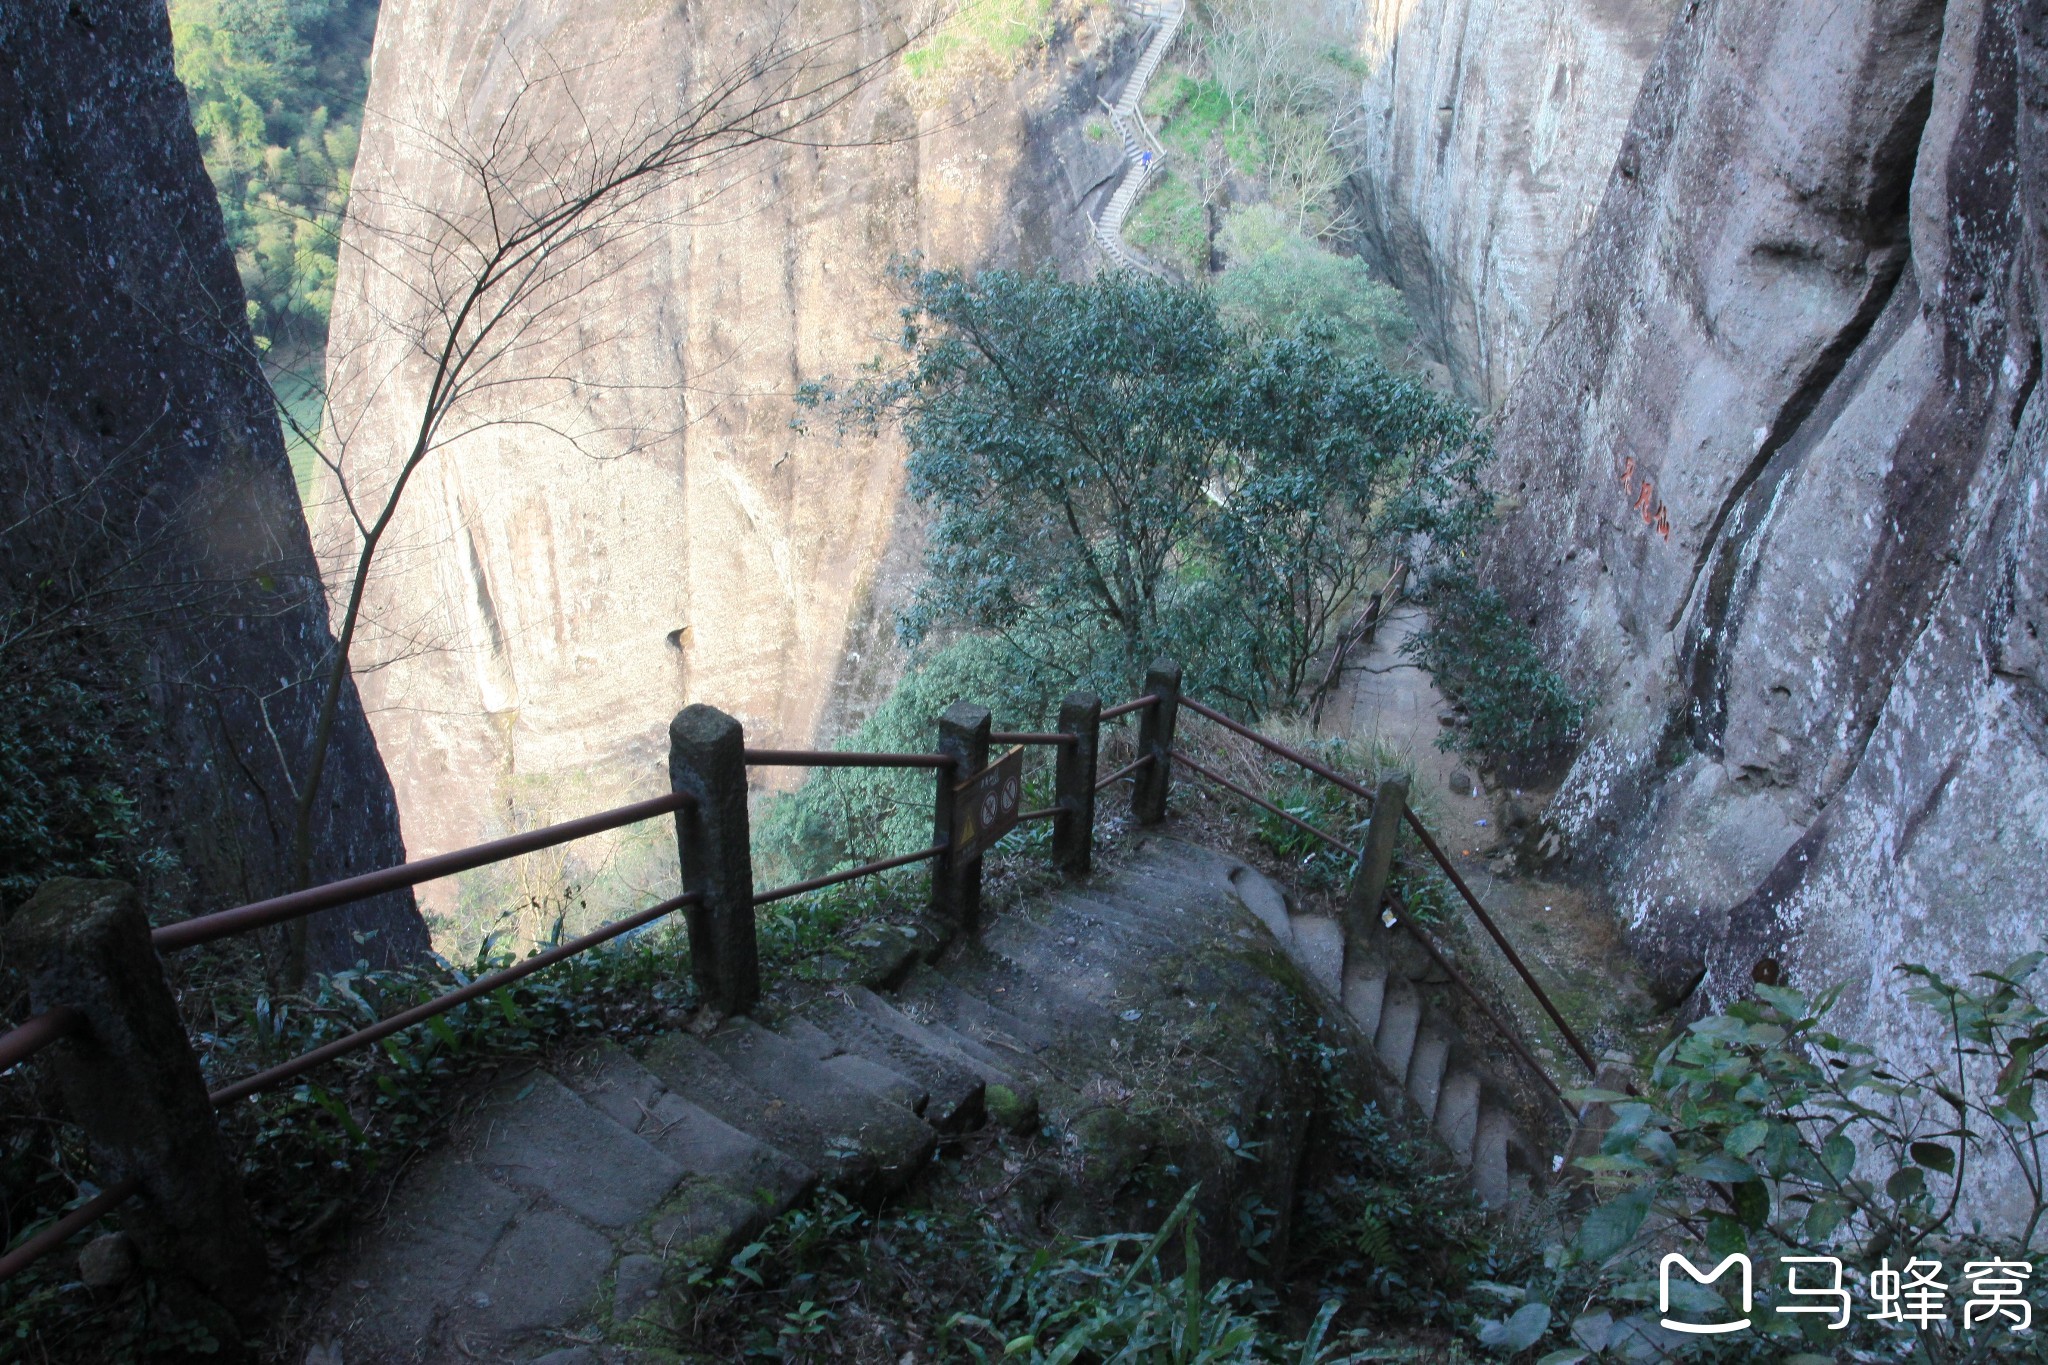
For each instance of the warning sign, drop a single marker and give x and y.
(986, 805)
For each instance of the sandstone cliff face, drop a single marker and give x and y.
(143, 458)
(547, 604)
(1776, 478)
(1486, 130)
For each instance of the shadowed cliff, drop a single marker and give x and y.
(154, 543)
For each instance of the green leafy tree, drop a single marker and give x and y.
(1117, 471)
(1277, 278)
(276, 88)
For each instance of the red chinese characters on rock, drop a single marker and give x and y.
(1645, 493)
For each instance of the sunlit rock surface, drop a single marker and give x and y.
(639, 526)
(1775, 479)
(1484, 134)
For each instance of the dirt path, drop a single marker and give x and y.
(1564, 932)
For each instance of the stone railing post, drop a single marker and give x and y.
(130, 1081)
(706, 760)
(1073, 829)
(1155, 737)
(956, 882)
(1376, 863)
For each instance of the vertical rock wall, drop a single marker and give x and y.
(639, 527)
(142, 458)
(1485, 132)
(1776, 483)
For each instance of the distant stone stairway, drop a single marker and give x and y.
(1440, 1078)
(580, 1192)
(1128, 120)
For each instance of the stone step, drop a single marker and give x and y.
(990, 1023)
(1365, 985)
(1426, 1070)
(953, 1088)
(847, 1113)
(1265, 900)
(1054, 975)
(1457, 1113)
(609, 1080)
(690, 1069)
(1319, 950)
(1490, 1156)
(540, 1137)
(995, 1067)
(1112, 921)
(853, 1067)
(1400, 1015)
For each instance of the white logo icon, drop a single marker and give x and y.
(1702, 1277)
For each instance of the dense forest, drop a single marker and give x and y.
(277, 94)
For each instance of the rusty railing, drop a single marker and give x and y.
(708, 762)
(976, 802)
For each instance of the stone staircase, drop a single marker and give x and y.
(578, 1192)
(1435, 1075)
(1125, 116)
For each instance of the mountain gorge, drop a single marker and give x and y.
(639, 525)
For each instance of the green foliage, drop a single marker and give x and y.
(1762, 1132)
(1316, 865)
(1389, 1221)
(845, 816)
(1197, 114)
(995, 36)
(1518, 711)
(1279, 279)
(65, 807)
(1117, 473)
(821, 1274)
(276, 88)
(1169, 224)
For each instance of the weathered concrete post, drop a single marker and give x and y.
(1376, 863)
(705, 759)
(130, 1080)
(1155, 737)
(956, 882)
(1073, 829)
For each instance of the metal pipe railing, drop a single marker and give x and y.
(1134, 704)
(1121, 773)
(1401, 917)
(61, 1231)
(781, 893)
(298, 904)
(1030, 737)
(38, 1032)
(1266, 805)
(1458, 979)
(1320, 769)
(833, 758)
(1514, 958)
(441, 1004)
